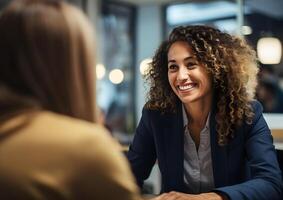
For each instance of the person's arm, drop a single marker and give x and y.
(142, 153)
(266, 180)
(183, 196)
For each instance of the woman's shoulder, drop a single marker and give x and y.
(93, 159)
(257, 107)
(75, 131)
(100, 158)
(257, 119)
(257, 110)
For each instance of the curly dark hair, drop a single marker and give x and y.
(229, 60)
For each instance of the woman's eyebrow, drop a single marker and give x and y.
(173, 61)
(187, 58)
(190, 58)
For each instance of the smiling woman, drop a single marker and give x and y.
(202, 122)
(188, 78)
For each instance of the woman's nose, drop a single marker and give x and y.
(183, 74)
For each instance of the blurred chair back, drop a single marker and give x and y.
(280, 161)
(280, 158)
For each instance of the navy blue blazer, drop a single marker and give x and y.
(246, 168)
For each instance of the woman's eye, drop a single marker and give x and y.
(172, 67)
(191, 65)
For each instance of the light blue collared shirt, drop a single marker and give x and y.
(198, 172)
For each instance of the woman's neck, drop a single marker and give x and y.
(197, 112)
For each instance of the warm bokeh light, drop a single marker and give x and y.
(269, 50)
(145, 65)
(100, 71)
(246, 30)
(116, 76)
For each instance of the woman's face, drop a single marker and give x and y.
(187, 77)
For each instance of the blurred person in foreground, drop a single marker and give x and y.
(202, 123)
(50, 147)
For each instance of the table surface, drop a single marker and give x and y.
(278, 145)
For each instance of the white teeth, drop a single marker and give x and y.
(185, 87)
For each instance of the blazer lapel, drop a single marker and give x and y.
(174, 142)
(219, 157)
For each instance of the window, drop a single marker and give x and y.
(116, 72)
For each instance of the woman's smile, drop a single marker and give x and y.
(186, 87)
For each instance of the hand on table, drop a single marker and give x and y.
(183, 196)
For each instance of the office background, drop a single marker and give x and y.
(129, 31)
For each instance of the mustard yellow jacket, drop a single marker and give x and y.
(44, 155)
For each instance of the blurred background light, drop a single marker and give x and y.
(100, 71)
(269, 50)
(145, 65)
(116, 76)
(246, 30)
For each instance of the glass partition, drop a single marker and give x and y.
(115, 73)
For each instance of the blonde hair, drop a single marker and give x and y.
(47, 54)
